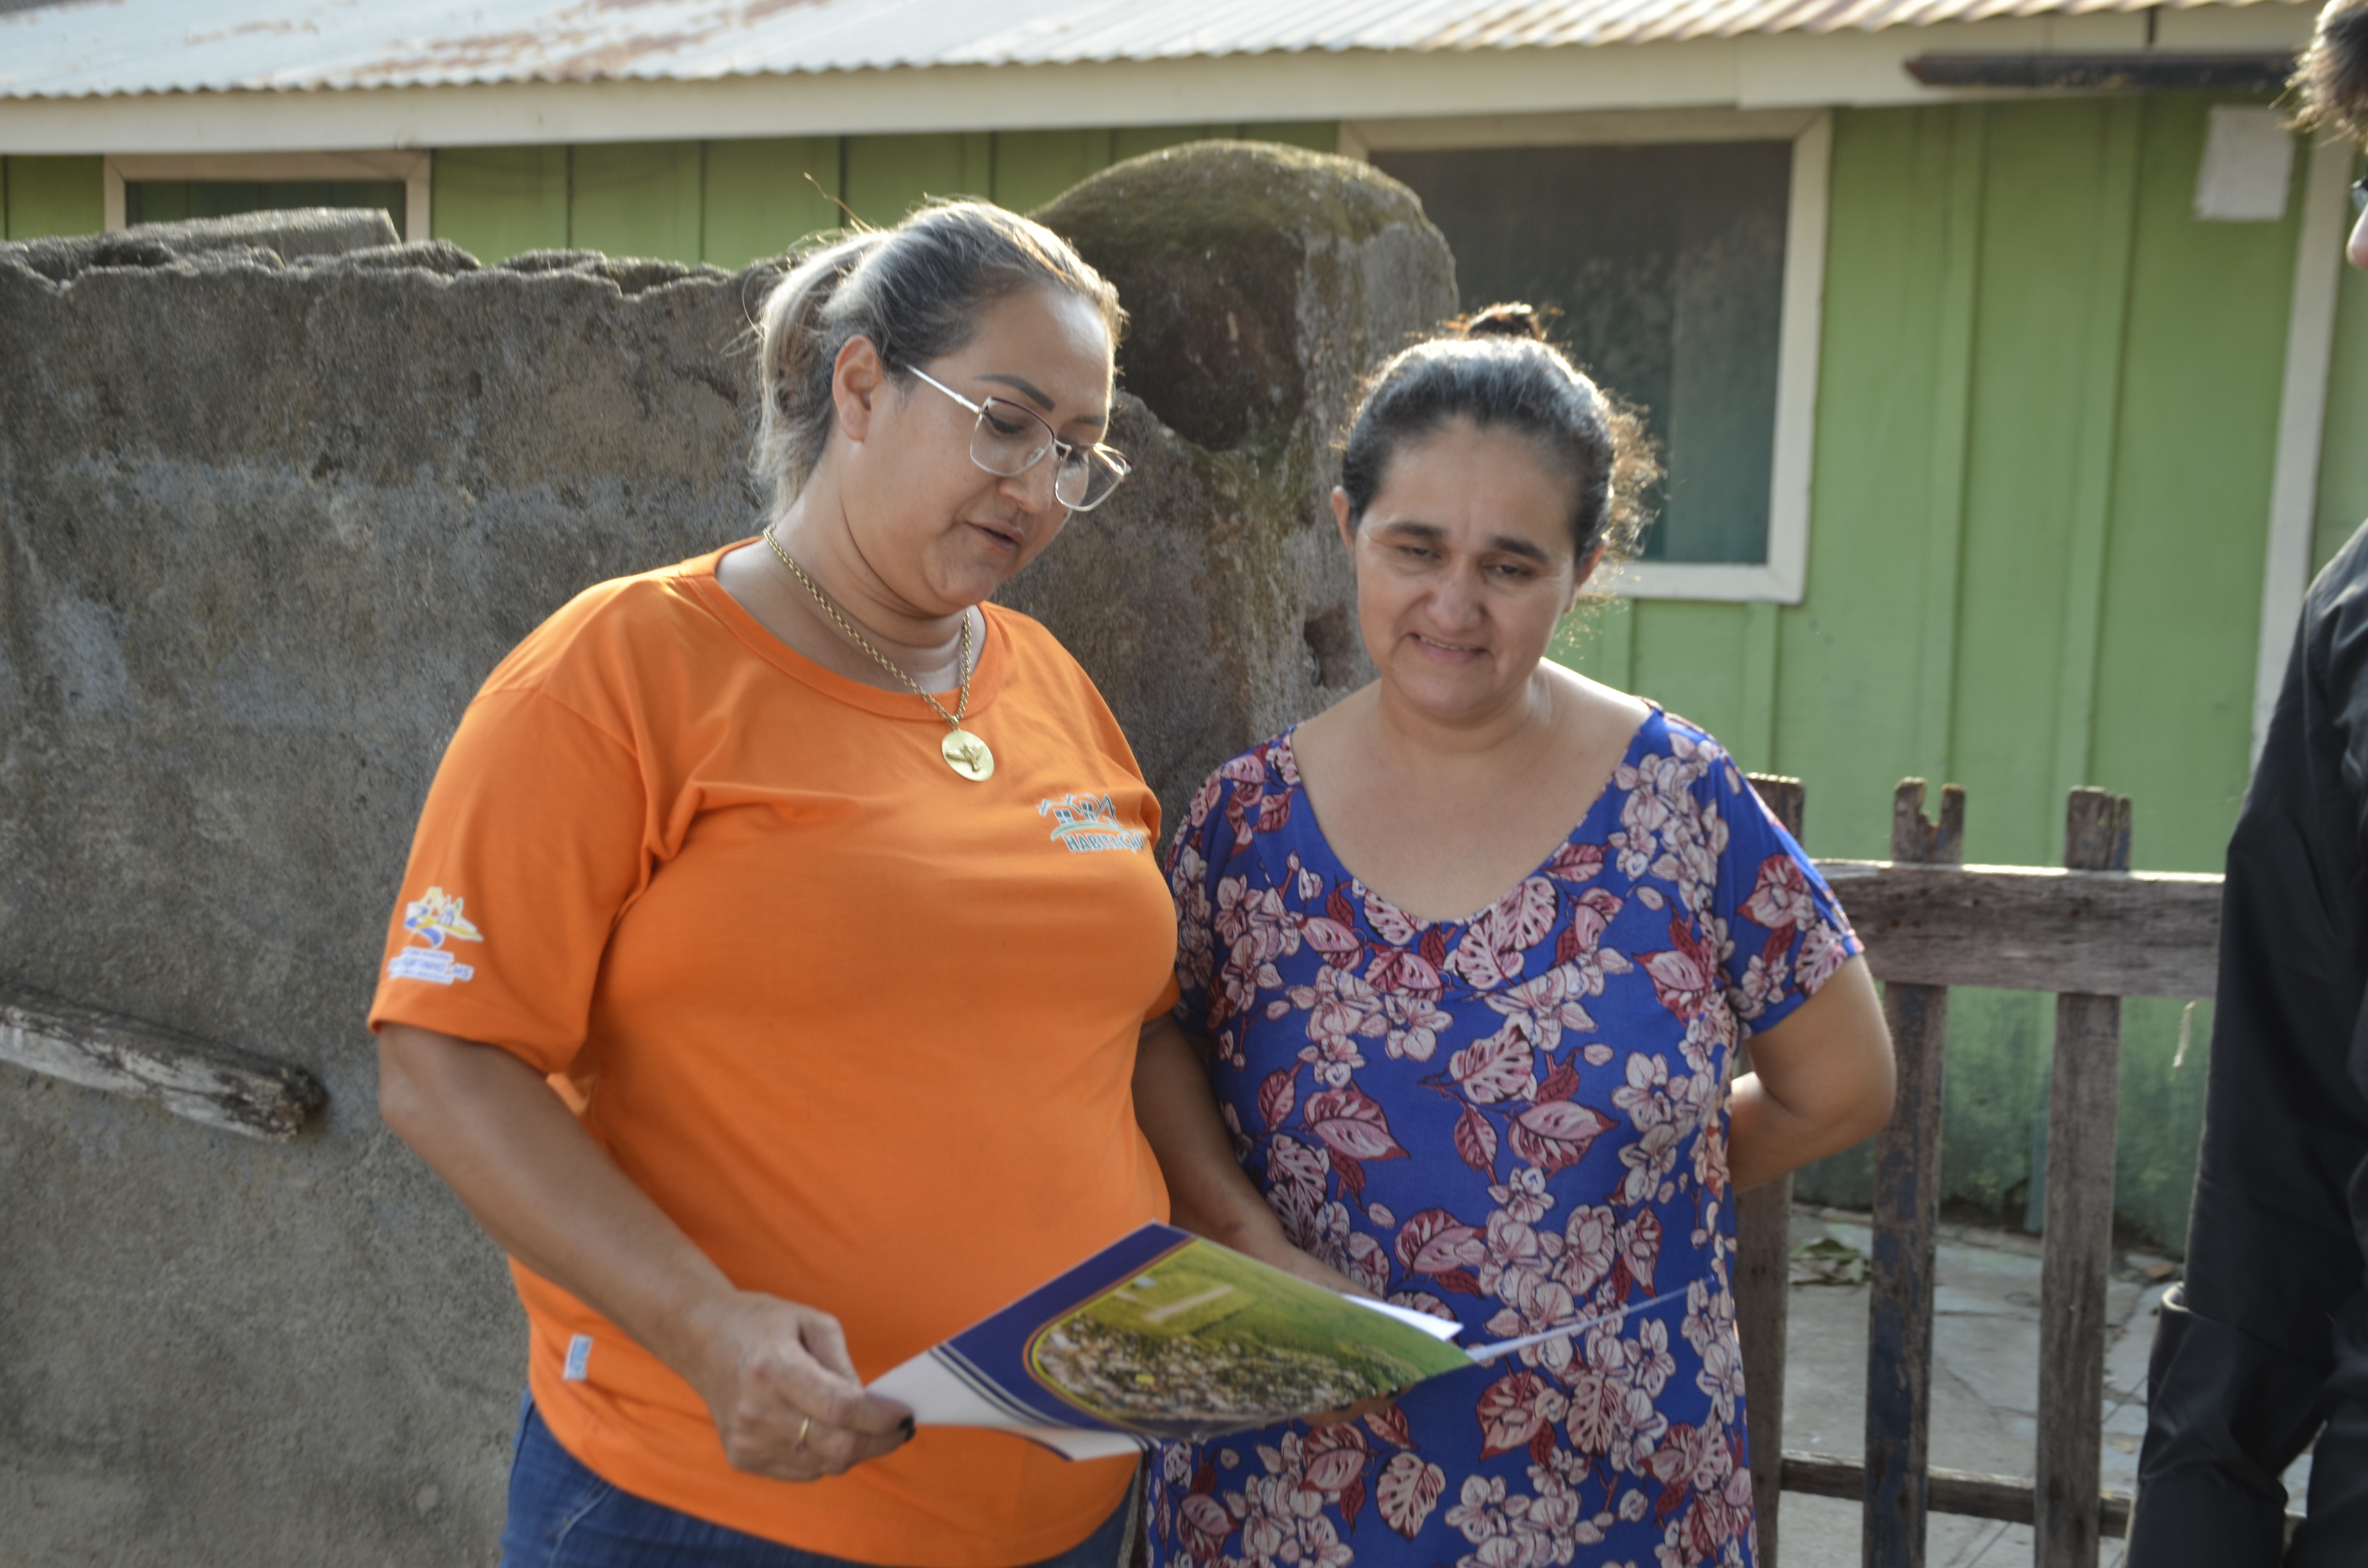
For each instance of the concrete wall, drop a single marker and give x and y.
(264, 525)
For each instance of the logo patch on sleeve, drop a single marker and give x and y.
(433, 918)
(1086, 823)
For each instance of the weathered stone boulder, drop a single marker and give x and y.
(1211, 598)
(250, 237)
(265, 521)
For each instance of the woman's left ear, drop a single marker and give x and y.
(855, 378)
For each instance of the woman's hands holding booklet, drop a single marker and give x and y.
(785, 1399)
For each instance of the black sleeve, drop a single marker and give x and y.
(2239, 1378)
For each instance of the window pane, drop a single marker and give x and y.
(1668, 264)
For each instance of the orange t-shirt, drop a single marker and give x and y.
(863, 1027)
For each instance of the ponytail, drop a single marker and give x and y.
(792, 368)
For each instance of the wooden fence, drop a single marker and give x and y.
(2093, 933)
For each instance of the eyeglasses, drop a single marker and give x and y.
(1010, 438)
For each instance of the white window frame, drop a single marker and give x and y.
(1784, 577)
(412, 168)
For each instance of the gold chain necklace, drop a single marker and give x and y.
(964, 752)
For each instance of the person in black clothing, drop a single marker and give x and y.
(2266, 1344)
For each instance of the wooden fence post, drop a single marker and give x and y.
(1763, 1252)
(1907, 1213)
(2084, 1093)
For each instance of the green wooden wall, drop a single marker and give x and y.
(2047, 408)
(51, 196)
(730, 202)
(733, 202)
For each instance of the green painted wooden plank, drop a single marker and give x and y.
(887, 176)
(2092, 486)
(494, 202)
(2162, 1115)
(1754, 743)
(1134, 141)
(1994, 1130)
(1848, 704)
(55, 196)
(1599, 641)
(761, 196)
(2045, 185)
(2196, 459)
(1032, 167)
(1944, 522)
(1315, 135)
(636, 198)
(1690, 658)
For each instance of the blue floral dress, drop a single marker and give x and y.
(1518, 1121)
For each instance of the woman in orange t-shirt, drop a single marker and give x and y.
(775, 944)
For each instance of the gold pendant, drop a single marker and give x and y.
(968, 755)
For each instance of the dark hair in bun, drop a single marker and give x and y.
(1502, 321)
(1495, 369)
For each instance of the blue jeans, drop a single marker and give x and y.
(562, 1515)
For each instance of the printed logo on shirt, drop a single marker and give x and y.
(1085, 824)
(435, 919)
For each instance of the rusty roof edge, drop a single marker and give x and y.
(1475, 34)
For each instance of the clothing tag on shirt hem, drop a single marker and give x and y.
(579, 1356)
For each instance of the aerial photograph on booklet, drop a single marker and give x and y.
(1208, 1340)
(1167, 1335)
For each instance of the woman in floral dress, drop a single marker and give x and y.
(1521, 1118)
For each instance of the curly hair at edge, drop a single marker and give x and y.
(2330, 81)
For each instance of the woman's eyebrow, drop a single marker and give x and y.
(1431, 533)
(1034, 396)
(1521, 547)
(1099, 421)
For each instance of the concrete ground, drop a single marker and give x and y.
(1985, 1399)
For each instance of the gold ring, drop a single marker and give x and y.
(804, 1427)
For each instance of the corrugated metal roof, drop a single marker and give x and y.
(93, 47)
